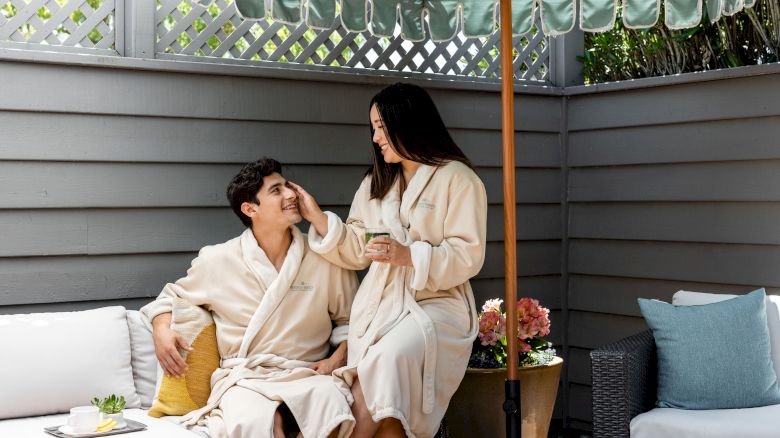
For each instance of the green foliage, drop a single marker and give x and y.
(747, 38)
(541, 352)
(43, 13)
(110, 405)
(7, 10)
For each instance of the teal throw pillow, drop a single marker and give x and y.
(713, 356)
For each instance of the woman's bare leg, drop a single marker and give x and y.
(364, 424)
(278, 425)
(390, 428)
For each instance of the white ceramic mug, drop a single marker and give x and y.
(84, 419)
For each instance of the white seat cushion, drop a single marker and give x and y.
(760, 422)
(686, 298)
(32, 427)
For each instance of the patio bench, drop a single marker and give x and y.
(52, 362)
(624, 384)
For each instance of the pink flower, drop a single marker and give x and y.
(492, 305)
(533, 319)
(523, 347)
(488, 321)
(492, 323)
(490, 338)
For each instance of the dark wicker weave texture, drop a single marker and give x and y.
(624, 383)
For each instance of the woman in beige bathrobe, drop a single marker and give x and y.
(413, 320)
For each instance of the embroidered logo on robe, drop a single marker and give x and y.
(301, 286)
(425, 204)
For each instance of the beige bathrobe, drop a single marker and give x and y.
(270, 327)
(412, 328)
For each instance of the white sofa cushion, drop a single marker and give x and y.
(32, 427)
(760, 422)
(55, 361)
(687, 298)
(144, 360)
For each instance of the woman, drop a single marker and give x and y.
(413, 320)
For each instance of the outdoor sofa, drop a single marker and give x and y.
(52, 362)
(624, 383)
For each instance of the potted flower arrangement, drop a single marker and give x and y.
(476, 408)
(533, 323)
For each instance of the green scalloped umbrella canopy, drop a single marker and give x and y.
(479, 17)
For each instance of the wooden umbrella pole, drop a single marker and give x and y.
(512, 387)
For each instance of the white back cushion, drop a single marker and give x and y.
(52, 362)
(686, 298)
(143, 358)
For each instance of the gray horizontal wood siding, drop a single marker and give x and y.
(115, 177)
(112, 180)
(669, 187)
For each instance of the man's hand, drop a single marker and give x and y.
(166, 342)
(336, 360)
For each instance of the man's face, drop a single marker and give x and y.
(278, 203)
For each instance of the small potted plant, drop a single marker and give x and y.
(476, 408)
(112, 407)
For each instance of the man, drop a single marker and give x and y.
(274, 303)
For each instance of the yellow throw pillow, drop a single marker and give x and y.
(180, 395)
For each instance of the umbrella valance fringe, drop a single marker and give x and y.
(479, 18)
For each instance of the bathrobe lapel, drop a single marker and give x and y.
(395, 211)
(395, 217)
(276, 284)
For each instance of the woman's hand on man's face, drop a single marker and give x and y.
(310, 210)
(307, 205)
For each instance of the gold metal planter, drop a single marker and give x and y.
(475, 409)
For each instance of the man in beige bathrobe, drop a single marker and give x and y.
(275, 304)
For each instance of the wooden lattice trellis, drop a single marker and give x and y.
(68, 25)
(214, 33)
(218, 34)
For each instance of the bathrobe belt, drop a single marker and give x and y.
(233, 370)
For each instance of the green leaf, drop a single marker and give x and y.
(111, 404)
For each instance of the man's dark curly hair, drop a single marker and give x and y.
(245, 185)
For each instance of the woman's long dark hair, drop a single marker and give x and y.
(413, 124)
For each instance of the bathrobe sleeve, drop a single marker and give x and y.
(343, 244)
(461, 253)
(193, 287)
(340, 299)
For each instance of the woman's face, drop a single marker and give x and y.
(380, 138)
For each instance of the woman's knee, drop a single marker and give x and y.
(391, 427)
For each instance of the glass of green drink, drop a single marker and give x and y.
(372, 233)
